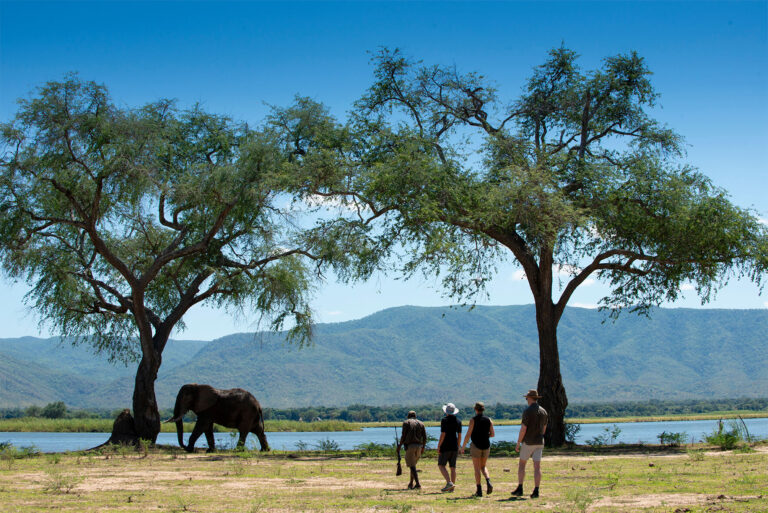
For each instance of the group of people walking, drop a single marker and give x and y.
(530, 445)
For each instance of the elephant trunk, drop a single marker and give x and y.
(178, 415)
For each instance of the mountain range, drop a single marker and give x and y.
(420, 355)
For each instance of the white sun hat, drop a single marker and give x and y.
(450, 409)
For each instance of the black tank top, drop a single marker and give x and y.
(481, 432)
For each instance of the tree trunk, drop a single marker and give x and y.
(550, 385)
(145, 412)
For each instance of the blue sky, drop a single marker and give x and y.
(710, 64)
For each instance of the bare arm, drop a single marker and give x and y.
(440, 442)
(492, 432)
(523, 429)
(468, 435)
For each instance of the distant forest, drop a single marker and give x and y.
(363, 413)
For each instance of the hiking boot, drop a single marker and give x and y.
(535, 494)
(410, 486)
(518, 492)
(489, 489)
(449, 487)
(417, 487)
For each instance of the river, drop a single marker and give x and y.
(630, 432)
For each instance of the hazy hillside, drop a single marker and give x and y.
(38, 371)
(422, 355)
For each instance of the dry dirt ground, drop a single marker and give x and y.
(170, 481)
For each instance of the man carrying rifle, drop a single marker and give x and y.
(414, 439)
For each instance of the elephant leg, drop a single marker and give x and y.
(209, 437)
(243, 435)
(196, 432)
(262, 438)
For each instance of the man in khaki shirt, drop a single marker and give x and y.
(530, 442)
(414, 438)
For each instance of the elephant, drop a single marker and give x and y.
(233, 408)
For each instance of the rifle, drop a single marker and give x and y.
(399, 470)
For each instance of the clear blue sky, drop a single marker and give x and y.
(710, 61)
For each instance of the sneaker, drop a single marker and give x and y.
(518, 492)
(448, 487)
(535, 494)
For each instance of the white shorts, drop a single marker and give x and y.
(531, 451)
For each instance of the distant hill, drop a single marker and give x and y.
(425, 355)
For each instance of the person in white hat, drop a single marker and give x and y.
(448, 445)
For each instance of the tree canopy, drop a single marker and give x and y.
(122, 219)
(574, 176)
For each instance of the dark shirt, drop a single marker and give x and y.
(451, 426)
(413, 433)
(481, 433)
(535, 421)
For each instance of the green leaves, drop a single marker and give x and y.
(122, 219)
(575, 172)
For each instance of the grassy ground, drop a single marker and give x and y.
(662, 480)
(42, 425)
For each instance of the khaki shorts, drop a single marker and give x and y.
(478, 453)
(412, 455)
(528, 451)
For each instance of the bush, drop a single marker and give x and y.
(726, 439)
(609, 436)
(672, 439)
(571, 431)
(327, 445)
(374, 449)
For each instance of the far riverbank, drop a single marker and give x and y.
(43, 425)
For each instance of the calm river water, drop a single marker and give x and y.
(631, 432)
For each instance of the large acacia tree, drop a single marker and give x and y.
(573, 179)
(122, 219)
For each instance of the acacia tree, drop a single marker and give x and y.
(574, 178)
(123, 219)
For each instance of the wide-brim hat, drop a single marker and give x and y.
(450, 409)
(533, 394)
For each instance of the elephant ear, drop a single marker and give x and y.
(205, 399)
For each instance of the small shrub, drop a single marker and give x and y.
(54, 459)
(144, 446)
(503, 448)
(580, 498)
(608, 437)
(571, 431)
(672, 439)
(59, 482)
(612, 479)
(725, 439)
(301, 445)
(327, 445)
(696, 454)
(374, 449)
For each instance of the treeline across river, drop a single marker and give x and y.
(364, 413)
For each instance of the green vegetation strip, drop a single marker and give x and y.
(42, 425)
